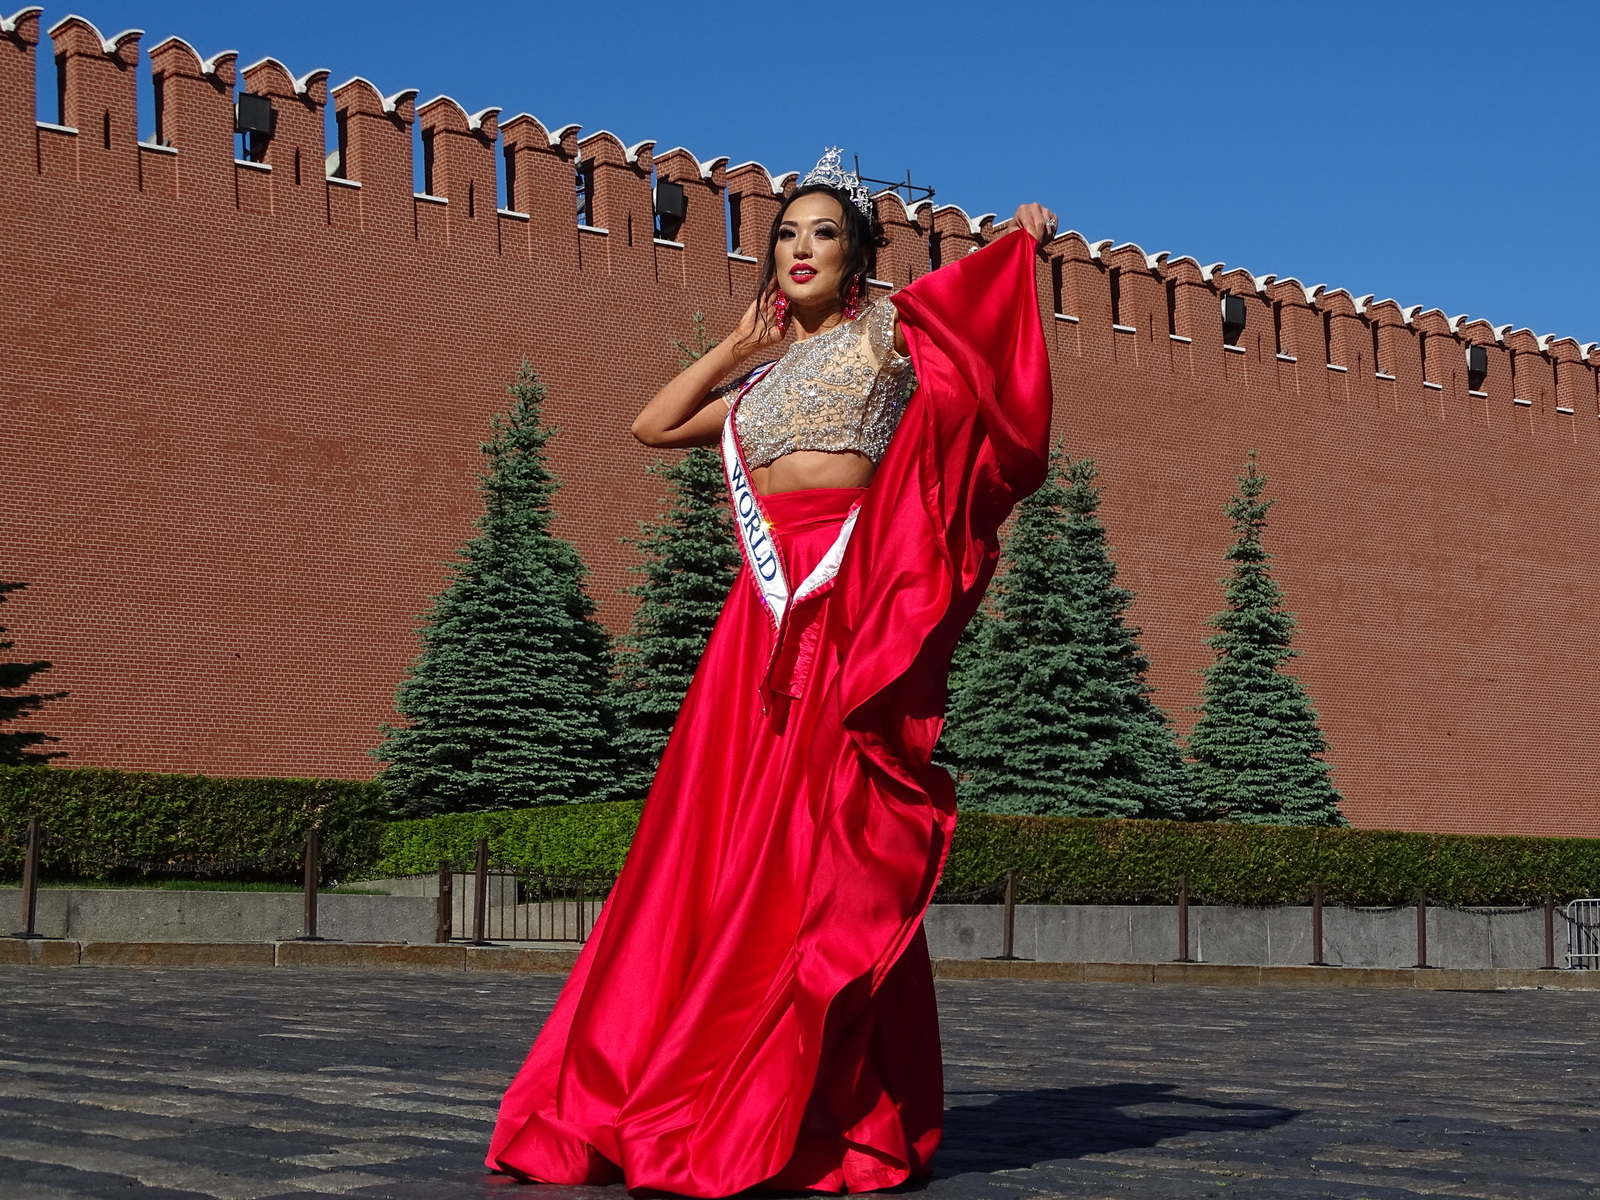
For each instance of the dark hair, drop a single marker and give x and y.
(862, 237)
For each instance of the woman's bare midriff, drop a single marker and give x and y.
(802, 469)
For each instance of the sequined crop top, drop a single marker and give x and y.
(840, 390)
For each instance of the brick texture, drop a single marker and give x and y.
(241, 407)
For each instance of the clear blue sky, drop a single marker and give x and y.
(1441, 154)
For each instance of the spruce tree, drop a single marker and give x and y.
(1256, 746)
(690, 561)
(508, 704)
(1053, 715)
(14, 744)
(962, 661)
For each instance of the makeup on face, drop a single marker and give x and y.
(810, 251)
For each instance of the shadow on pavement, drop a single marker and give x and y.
(1024, 1129)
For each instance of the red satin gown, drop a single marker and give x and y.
(755, 1005)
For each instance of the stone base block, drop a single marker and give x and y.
(1212, 973)
(1338, 977)
(370, 954)
(991, 968)
(175, 954)
(1223, 975)
(1102, 972)
(558, 960)
(518, 958)
(37, 952)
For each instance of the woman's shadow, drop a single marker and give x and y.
(1023, 1129)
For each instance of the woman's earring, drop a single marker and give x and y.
(852, 299)
(780, 312)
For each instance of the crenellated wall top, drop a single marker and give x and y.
(74, 35)
(174, 56)
(915, 229)
(22, 26)
(360, 95)
(444, 113)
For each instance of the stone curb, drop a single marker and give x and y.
(366, 954)
(175, 954)
(1224, 974)
(41, 952)
(49, 952)
(55, 952)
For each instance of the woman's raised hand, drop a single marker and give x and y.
(758, 328)
(1038, 220)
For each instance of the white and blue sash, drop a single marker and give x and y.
(760, 549)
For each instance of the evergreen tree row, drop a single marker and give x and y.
(518, 699)
(1051, 713)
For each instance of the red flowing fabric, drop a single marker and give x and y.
(755, 1005)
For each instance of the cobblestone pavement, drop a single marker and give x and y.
(160, 1084)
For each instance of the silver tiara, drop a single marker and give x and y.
(830, 172)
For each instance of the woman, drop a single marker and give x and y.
(755, 1005)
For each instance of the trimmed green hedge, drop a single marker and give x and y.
(188, 824)
(565, 839)
(94, 817)
(1065, 860)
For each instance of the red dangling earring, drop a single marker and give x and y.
(852, 299)
(780, 311)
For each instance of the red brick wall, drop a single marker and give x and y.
(241, 411)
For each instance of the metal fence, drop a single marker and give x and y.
(1583, 934)
(479, 901)
(500, 902)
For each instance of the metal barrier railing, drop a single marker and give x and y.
(500, 902)
(484, 903)
(1583, 933)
